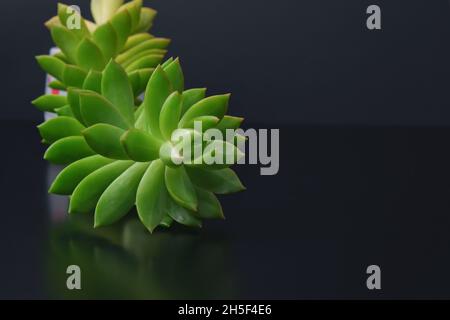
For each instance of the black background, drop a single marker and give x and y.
(364, 174)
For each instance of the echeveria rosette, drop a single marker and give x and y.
(120, 33)
(120, 157)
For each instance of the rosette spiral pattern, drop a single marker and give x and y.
(120, 32)
(119, 156)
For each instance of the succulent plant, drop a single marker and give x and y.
(120, 32)
(119, 156)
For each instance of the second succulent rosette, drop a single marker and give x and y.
(120, 156)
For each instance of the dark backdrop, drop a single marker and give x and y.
(285, 61)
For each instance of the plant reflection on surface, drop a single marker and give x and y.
(126, 262)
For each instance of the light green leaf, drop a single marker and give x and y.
(152, 196)
(120, 196)
(229, 122)
(158, 89)
(103, 10)
(154, 43)
(73, 96)
(170, 115)
(148, 61)
(68, 179)
(191, 97)
(140, 146)
(146, 20)
(104, 139)
(65, 40)
(121, 23)
(60, 127)
(212, 106)
(175, 75)
(106, 38)
(117, 89)
(89, 55)
(96, 109)
(135, 40)
(74, 76)
(65, 111)
(52, 66)
(49, 102)
(93, 81)
(68, 150)
(181, 188)
(134, 9)
(86, 194)
(207, 122)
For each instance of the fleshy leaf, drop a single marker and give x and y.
(223, 181)
(208, 206)
(181, 188)
(49, 102)
(52, 66)
(93, 81)
(182, 215)
(96, 109)
(89, 55)
(152, 196)
(60, 127)
(146, 20)
(154, 43)
(212, 106)
(120, 196)
(121, 23)
(103, 10)
(66, 41)
(175, 75)
(68, 150)
(116, 88)
(191, 97)
(136, 39)
(134, 9)
(147, 61)
(68, 179)
(104, 139)
(170, 115)
(158, 89)
(74, 76)
(86, 194)
(140, 146)
(106, 39)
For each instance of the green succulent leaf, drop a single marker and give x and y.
(191, 97)
(120, 196)
(107, 40)
(49, 102)
(147, 61)
(52, 66)
(65, 14)
(158, 89)
(68, 150)
(103, 10)
(135, 40)
(65, 40)
(117, 89)
(60, 127)
(57, 85)
(93, 81)
(89, 55)
(212, 106)
(68, 179)
(152, 196)
(229, 122)
(153, 43)
(96, 109)
(181, 188)
(182, 215)
(74, 76)
(134, 9)
(146, 20)
(121, 23)
(175, 75)
(104, 139)
(170, 115)
(73, 97)
(207, 122)
(65, 111)
(140, 146)
(222, 181)
(88, 192)
(208, 205)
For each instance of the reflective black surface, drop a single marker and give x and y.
(344, 198)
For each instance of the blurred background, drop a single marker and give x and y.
(364, 177)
